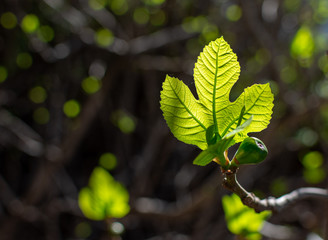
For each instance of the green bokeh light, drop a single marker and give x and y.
(303, 44)
(91, 84)
(312, 160)
(24, 60)
(71, 108)
(158, 18)
(292, 5)
(3, 74)
(153, 2)
(320, 8)
(233, 13)
(288, 74)
(41, 115)
(8, 20)
(123, 121)
(83, 230)
(38, 94)
(46, 33)
(210, 32)
(126, 124)
(314, 176)
(97, 4)
(141, 15)
(104, 37)
(278, 187)
(119, 7)
(30, 23)
(322, 88)
(323, 63)
(108, 161)
(195, 24)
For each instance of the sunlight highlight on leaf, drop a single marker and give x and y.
(303, 45)
(103, 197)
(216, 71)
(242, 220)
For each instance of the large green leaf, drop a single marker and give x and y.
(207, 120)
(242, 220)
(183, 113)
(216, 71)
(258, 102)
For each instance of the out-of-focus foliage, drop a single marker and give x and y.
(242, 220)
(108, 161)
(313, 171)
(103, 197)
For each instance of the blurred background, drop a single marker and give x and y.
(80, 86)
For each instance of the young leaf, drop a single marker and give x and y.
(206, 121)
(183, 113)
(215, 72)
(104, 197)
(242, 220)
(217, 150)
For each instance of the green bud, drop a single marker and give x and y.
(250, 151)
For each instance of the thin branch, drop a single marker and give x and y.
(271, 203)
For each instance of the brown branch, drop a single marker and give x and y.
(271, 203)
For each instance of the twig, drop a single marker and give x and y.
(271, 203)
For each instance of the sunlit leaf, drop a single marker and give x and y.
(215, 72)
(103, 197)
(242, 220)
(303, 43)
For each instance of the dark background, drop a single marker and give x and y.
(47, 156)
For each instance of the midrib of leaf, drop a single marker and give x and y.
(214, 90)
(187, 109)
(232, 122)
